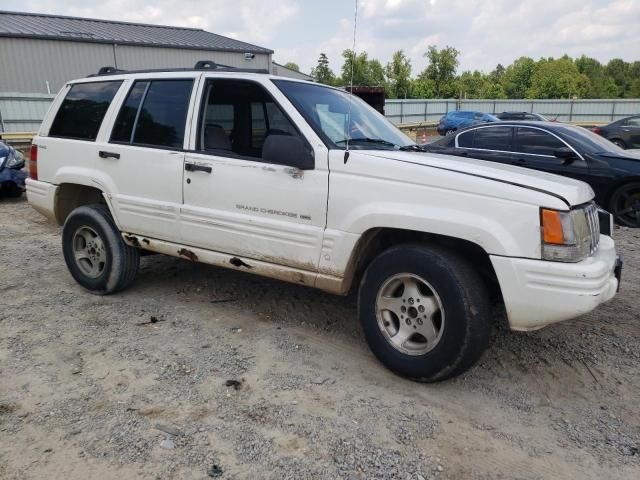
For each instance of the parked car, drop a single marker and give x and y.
(561, 149)
(624, 133)
(455, 120)
(521, 116)
(12, 177)
(255, 173)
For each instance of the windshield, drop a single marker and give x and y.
(589, 141)
(327, 110)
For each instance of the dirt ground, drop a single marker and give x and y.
(197, 372)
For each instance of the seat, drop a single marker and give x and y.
(215, 138)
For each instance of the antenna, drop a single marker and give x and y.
(353, 64)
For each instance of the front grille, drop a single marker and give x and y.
(593, 222)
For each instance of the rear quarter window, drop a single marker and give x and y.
(83, 109)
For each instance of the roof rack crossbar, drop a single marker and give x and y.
(200, 65)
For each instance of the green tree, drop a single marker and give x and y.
(558, 79)
(292, 66)
(441, 70)
(322, 72)
(376, 73)
(471, 84)
(601, 85)
(423, 88)
(365, 72)
(398, 74)
(517, 77)
(620, 71)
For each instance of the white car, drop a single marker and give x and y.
(306, 183)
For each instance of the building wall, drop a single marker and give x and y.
(283, 71)
(28, 64)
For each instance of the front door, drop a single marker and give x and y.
(236, 203)
(535, 148)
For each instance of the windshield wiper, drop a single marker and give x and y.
(406, 148)
(379, 141)
(413, 148)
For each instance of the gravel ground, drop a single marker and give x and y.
(197, 372)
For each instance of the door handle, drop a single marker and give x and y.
(193, 167)
(105, 154)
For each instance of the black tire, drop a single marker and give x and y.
(120, 261)
(625, 205)
(619, 143)
(10, 190)
(465, 330)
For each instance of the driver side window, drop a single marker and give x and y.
(237, 117)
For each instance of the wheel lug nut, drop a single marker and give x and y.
(403, 309)
(419, 321)
(411, 301)
(421, 308)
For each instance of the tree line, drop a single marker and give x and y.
(563, 77)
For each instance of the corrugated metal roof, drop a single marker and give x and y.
(56, 27)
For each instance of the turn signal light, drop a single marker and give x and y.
(552, 232)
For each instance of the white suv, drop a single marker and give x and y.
(308, 184)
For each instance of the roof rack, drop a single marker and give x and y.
(200, 65)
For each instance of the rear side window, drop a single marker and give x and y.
(492, 138)
(83, 110)
(465, 140)
(536, 142)
(154, 114)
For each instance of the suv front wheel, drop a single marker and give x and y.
(424, 311)
(95, 254)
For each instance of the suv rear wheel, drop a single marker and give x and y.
(424, 311)
(95, 254)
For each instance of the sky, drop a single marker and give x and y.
(486, 32)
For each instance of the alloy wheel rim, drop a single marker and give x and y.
(89, 252)
(627, 207)
(410, 314)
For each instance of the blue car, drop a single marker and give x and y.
(452, 121)
(12, 176)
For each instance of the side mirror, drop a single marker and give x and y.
(288, 150)
(565, 153)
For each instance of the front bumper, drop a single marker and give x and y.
(13, 175)
(537, 293)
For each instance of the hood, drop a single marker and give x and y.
(633, 154)
(570, 191)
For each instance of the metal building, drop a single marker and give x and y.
(39, 53)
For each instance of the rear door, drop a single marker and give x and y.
(234, 201)
(535, 148)
(631, 130)
(486, 143)
(141, 158)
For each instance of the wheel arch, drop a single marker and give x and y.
(376, 240)
(615, 186)
(70, 196)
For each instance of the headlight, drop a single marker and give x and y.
(569, 236)
(14, 159)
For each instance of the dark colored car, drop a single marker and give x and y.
(458, 119)
(521, 116)
(12, 176)
(624, 133)
(614, 174)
